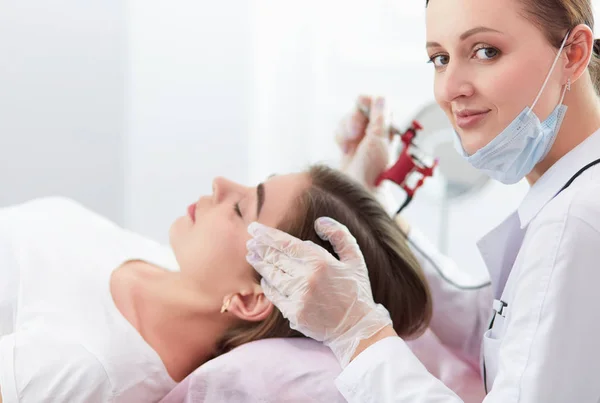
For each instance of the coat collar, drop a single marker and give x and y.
(557, 176)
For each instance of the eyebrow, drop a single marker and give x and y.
(260, 198)
(466, 34)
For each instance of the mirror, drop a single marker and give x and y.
(458, 178)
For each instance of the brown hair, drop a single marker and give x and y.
(396, 278)
(556, 17)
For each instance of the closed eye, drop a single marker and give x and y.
(236, 208)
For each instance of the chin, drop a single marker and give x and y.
(175, 230)
(473, 141)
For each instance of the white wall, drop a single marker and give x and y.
(188, 100)
(61, 101)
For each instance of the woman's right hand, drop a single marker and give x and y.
(324, 298)
(365, 141)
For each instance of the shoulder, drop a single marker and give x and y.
(65, 370)
(576, 205)
(49, 354)
(562, 243)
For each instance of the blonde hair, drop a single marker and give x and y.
(557, 17)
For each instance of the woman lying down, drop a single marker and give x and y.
(90, 312)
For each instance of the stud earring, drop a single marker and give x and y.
(225, 305)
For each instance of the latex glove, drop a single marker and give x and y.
(365, 142)
(324, 298)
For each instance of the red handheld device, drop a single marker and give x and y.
(409, 165)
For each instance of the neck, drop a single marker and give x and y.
(580, 122)
(178, 322)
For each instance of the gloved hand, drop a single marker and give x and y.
(365, 141)
(324, 298)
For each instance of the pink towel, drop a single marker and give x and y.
(302, 370)
(456, 374)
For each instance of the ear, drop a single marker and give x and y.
(579, 50)
(250, 305)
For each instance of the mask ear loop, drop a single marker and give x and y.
(549, 74)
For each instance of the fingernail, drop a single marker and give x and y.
(324, 221)
(253, 228)
(380, 103)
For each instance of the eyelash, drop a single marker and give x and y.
(477, 49)
(432, 59)
(236, 208)
(487, 47)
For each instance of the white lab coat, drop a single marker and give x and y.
(544, 265)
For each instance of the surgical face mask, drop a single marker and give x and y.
(522, 144)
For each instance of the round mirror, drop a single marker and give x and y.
(457, 178)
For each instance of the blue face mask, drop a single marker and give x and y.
(522, 144)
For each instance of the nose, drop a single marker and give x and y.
(222, 187)
(454, 83)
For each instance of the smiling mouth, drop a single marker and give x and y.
(470, 119)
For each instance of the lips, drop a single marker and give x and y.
(468, 118)
(192, 212)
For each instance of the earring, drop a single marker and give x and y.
(225, 305)
(568, 84)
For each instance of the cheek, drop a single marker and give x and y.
(214, 249)
(440, 99)
(516, 86)
(437, 92)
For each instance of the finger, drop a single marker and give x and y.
(292, 288)
(360, 117)
(271, 237)
(296, 261)
(285, 306)
(377, 121)
(273, 244)
(265, 269)
(284, 281)
(351, 130)
(343, 138)
(272, 293)
(353, 126)
(364, 102)
(340, 238)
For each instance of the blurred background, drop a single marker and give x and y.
(133, 107)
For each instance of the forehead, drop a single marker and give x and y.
(281, 193)
(448, 19)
